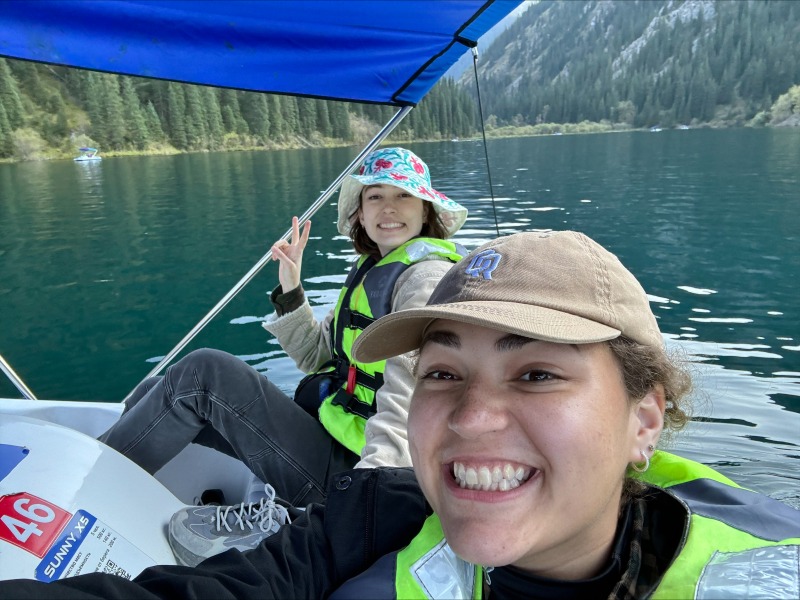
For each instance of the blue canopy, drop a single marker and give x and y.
(363, 51)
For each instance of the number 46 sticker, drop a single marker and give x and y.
(30, 522)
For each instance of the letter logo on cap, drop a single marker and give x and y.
(483, 263)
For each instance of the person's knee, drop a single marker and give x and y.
(140, 392)
(207, 358)
(219, 372)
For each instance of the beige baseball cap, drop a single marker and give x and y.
(558, 286)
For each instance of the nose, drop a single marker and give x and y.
(479, 411)
(390, 205)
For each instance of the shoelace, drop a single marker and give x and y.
(263, 513)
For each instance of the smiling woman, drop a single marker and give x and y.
(345, 412)
(542, 391)
(500, 428)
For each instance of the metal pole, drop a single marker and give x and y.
(387, 129)
(16, 379)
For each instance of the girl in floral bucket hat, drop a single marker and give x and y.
(345, 411)
(403, 169)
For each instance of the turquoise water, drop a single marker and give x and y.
(106, 266)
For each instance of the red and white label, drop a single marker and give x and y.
(30, 522)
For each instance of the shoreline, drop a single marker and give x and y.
(510, 131)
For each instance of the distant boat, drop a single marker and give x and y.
(655, 129)
(87, 154)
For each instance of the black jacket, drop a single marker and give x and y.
(369, 513)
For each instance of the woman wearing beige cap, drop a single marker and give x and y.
(342, 413)
(542, 391)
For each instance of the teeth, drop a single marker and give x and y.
(485, 477)
(497, 475)
(492, 479)
(390, 225)
(472, 478)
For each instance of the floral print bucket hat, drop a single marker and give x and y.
(404, 169)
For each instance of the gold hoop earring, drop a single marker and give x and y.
(646, 466)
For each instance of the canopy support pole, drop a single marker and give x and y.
(382, 134)
(16, 380)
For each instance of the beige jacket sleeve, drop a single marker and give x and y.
(302, 337)
(306, 341)
(386, 434)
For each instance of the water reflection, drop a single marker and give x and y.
(107, 265)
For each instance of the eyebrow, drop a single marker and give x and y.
(507, 343)
(443, 338)
(512, 341)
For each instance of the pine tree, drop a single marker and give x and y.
(340, 121)
(256, 112)
(213, 116)
(176, 104)
(226, 103)
(291, 115)
(155, 133)
(196, 132)
(307, 115)
(9, 96)
(111, 99)
(323, 118)
(137, 134)
(277, 126)
(95, 108)
(6, 141)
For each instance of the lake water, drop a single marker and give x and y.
(107, 265)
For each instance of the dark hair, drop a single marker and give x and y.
(433, 227)
(644, 367)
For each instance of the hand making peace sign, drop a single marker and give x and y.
(290, 255)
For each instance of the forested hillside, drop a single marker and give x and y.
(643, 63)
(611, 63)
(48, 111)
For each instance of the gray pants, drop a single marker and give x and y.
(213, 398)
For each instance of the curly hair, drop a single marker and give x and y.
(644, 367)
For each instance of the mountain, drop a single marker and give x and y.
(486, 40)
(641, 62)
(594, 64)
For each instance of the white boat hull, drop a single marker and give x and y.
(69, 504)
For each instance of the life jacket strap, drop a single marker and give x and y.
(355, 320)
(342, 368)
(353, 405)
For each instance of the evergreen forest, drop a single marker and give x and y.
(561, 66)
(645, 63)
(49, 111)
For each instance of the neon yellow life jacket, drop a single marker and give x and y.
(365, 297)
(736, 544)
